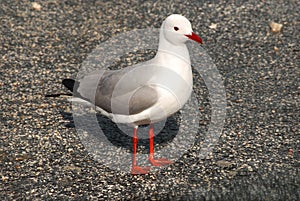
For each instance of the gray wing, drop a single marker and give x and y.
(122, 91)
(142, 98)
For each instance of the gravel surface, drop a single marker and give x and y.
(257, 156)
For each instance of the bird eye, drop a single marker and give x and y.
(176, 28)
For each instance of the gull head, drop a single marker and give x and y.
(177, 30)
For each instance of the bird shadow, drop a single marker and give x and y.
(121, 138)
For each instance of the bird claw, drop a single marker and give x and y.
(160, 162)
(140, 170)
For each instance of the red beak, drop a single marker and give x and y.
(194, 37)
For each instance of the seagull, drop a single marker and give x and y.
(147, 92)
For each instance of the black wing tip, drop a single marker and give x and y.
(69, 83)
(58, 95)
(52, 95)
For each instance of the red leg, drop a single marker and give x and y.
(159, 161)
(137, 169)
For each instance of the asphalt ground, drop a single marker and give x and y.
(42, 156)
